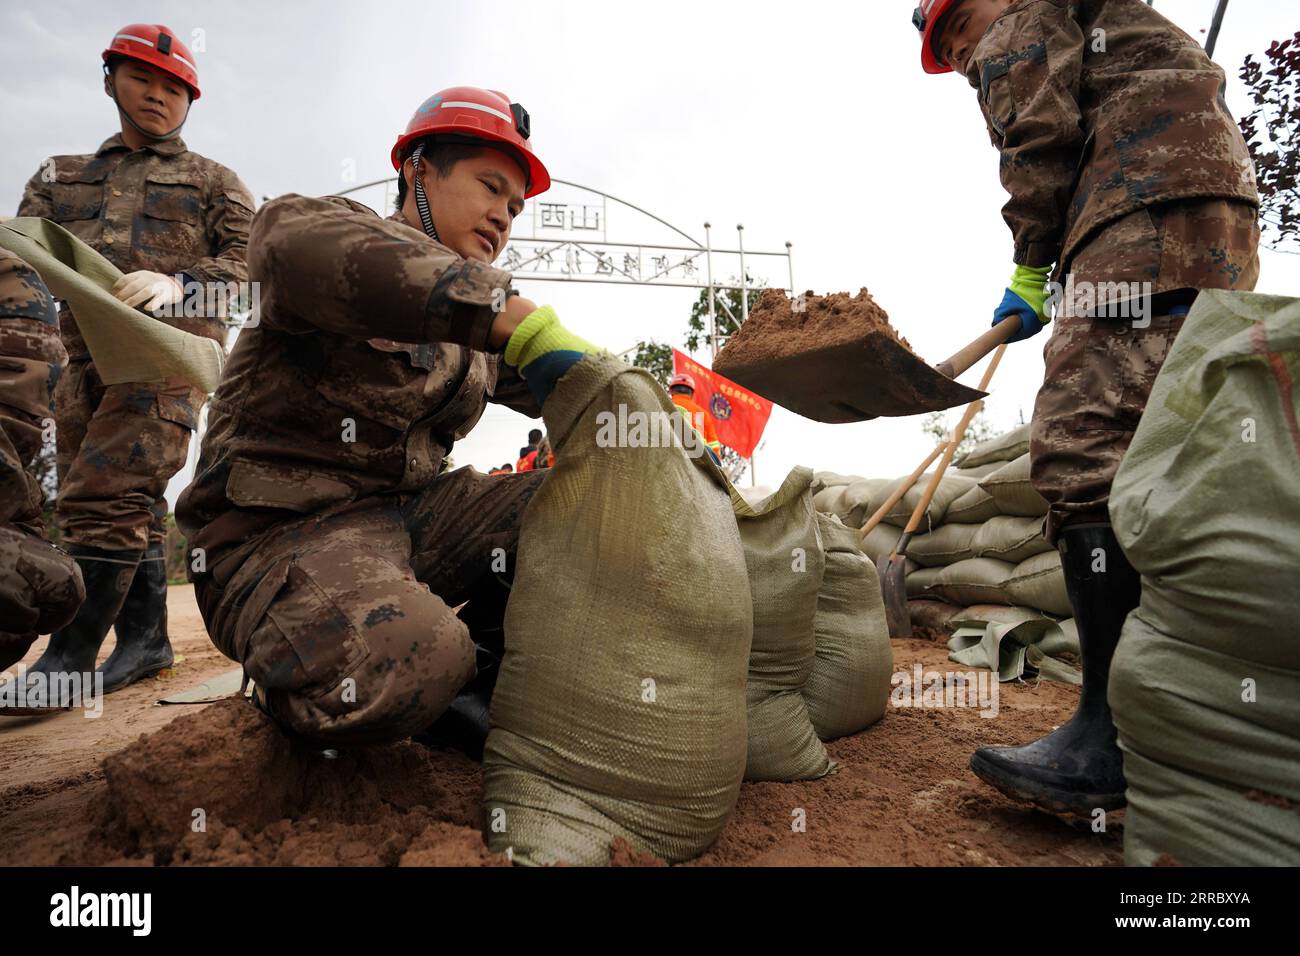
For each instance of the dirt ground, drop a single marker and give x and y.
(216, 784)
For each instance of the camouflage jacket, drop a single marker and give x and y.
(160, 208)
(368, 360)
(31, 357)
(1098, 108)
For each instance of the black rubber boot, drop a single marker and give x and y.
(143, 648)
(107, 575)
(1078, 767)
(464, 724)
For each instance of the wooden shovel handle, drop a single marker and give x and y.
(904, 487)
(981, 347)
(949, 450)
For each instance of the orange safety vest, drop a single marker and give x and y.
(700, 420)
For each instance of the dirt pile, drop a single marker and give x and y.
(903, 794)
(780, 326)
(223, 786)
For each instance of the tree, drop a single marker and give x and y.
(726, 304)
(980, 429)
(1272, 130)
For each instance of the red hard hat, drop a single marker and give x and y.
(925, 18)
(683, 379)
(156, 45)
(482, 114)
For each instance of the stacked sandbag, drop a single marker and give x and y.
(785, 561)
(1205, 683)
(849, 685)
(980, 542)
(620, 708)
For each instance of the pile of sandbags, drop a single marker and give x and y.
(665, 638)
(820, 662)
(1205, 683)
(979, 545)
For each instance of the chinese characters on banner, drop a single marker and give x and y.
(738, 414)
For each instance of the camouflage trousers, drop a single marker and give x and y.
(1100, 370)
(118, 447)
(345, 619)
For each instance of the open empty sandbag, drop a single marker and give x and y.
(620, 707)
(783, 553)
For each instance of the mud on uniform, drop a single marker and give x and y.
(333, 545)
(40, 586)
(167, 210)
(1124, 164)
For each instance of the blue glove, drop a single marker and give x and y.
(1025, 298)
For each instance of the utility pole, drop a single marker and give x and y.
(1215, 24)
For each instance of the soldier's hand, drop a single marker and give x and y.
(153, 288)
(516, 310)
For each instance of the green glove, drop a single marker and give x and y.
(1026, 300)
(1030, 283)
(543, 350)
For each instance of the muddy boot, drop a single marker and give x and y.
(72, 649)
(1078, 767)
(143, 648)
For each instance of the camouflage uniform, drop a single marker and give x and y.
(40, 586)
(332, 548)
(1124, 164)
(164, 209)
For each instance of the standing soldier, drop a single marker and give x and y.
(173, 222)
(1128, 173)
(40, 586)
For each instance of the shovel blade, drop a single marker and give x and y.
(851, 382)
(893, 588)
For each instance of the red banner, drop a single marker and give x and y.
(738, 414)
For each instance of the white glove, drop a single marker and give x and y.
(157, 289)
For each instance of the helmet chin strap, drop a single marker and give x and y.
(421, 199)
(158, 137)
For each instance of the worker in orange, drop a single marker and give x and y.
(682, 390)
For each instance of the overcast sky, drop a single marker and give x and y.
(810, 123)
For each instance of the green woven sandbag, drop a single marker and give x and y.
(946, 544)
(620, 707)
(1009, 538)
(783, 552)
(880, 541)
(973, 581)
(1011, 489)
(1039, 582)
(974, 507)
(1205, 683)
(849, 685)
(919, 582)
(951, 487)
(1005, 447)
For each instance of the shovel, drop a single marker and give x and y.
(872, 376)
(893, 587)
